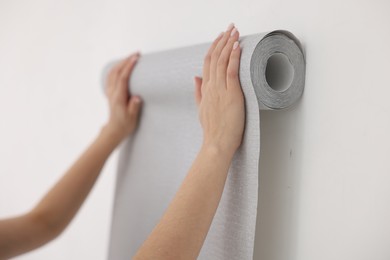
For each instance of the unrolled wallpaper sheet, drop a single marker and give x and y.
(155, 160)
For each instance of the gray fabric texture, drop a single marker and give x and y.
(155, 160)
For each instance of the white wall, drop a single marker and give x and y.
(324, 191)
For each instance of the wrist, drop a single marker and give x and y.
(112, 135)
(218, 150)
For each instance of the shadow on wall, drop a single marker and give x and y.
(279, 184)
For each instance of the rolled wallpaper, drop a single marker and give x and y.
(154, 161)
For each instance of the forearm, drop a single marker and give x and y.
(182, 230)
(63, 201)
(54, 212)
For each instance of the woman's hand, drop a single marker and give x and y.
(219, 95)
(124, 107)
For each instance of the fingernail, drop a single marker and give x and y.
(230, 27)
(235, 45)
(233, 32)
(220, 35)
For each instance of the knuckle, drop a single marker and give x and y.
(122, 81)
(116, 75)
(231, 73)
(132, 61)
(124, 74)
(133, 113)
(115, 98)
(215, 55)
(222, 60)
(232, 40)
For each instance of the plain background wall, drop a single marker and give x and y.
(325, 171)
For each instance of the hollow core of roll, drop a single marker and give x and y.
(279, 72)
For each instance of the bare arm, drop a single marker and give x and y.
(58, 207)
(183, 228)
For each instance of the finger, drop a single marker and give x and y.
(233, 80)
(198, 90)
(207, 59)
(223, 60)
(217, 51)
(112, 76)
(127, 67)
(124, 77)
(134, 108)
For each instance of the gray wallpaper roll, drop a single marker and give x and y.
(153, 163)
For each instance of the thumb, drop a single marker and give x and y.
(134, 108)
(198, 89)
